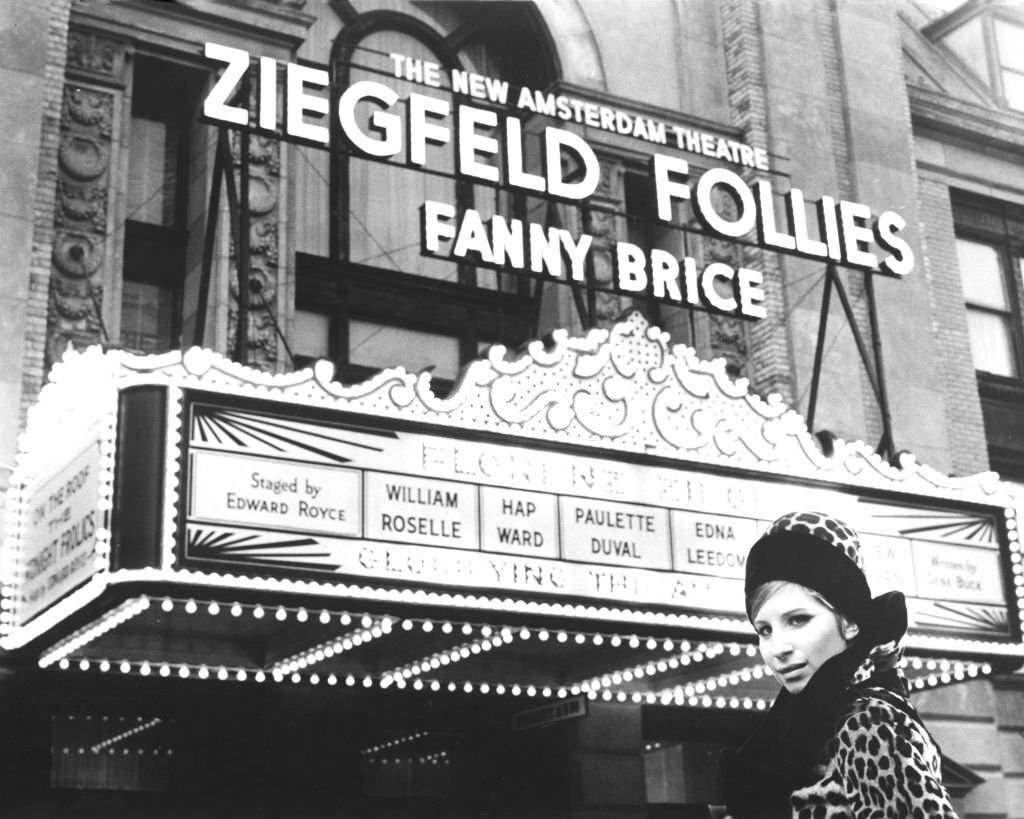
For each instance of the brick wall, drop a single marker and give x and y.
(770, 366)
(31, 79)
(964, 424)
(846, 187)
(32, 366)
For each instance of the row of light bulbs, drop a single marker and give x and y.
(222, 673)
(945, 672)
(675, 619)
(124, 751)
(653, 667)
(394, 743)
(449, 656)
(138, 729)
(1016, 565)
(698, 688)
(371, 630)
(82, 637)
(695, 694)
(439, 758)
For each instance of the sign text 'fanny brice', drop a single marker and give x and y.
(493, 143)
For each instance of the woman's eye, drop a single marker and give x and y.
(799, 619)
(763, 631)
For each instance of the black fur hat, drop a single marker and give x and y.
(820, 552)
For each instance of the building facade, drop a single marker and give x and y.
(360, 186)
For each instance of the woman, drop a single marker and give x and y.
(841, 739)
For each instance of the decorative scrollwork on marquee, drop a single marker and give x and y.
(625, 390)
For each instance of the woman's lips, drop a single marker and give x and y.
(791, 670)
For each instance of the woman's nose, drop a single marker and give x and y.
(781, 647)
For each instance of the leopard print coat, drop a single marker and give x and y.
(881, 764)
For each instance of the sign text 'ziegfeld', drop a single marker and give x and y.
(490, 146)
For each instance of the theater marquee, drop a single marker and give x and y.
(270, 489)
(608, 479)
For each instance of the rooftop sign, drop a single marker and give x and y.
(483, 125)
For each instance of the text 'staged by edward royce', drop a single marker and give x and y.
(228, 488)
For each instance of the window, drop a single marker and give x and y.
(989, 317)
(992, 46)
(990, 253)
(990, 248)
(1010, 49)
(163, 98)
(375, 300)
(705, 332)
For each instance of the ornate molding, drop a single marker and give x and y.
(980, 124)
(625, 390)
(95, 56)
(80, 218)
(604, 226)
(264, 258)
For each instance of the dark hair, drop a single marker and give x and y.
(885, 656)
(759, 596)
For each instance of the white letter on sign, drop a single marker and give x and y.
(629, 267)
(665, 188)
(435, 224)
(215, 106)
(555, 139)
(298, 102)
(422, 109)
(388, 124)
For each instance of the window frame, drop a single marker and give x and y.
(1001, 396)
(344, 290)
(1011, 312)
(997, 64)
(1009, 251)
(156, 253)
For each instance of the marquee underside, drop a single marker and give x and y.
(241, 640)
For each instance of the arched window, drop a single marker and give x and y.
(376, 300)
(377, 212)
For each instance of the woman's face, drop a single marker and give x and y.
(797, 633)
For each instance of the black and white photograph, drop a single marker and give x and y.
(512, 409)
